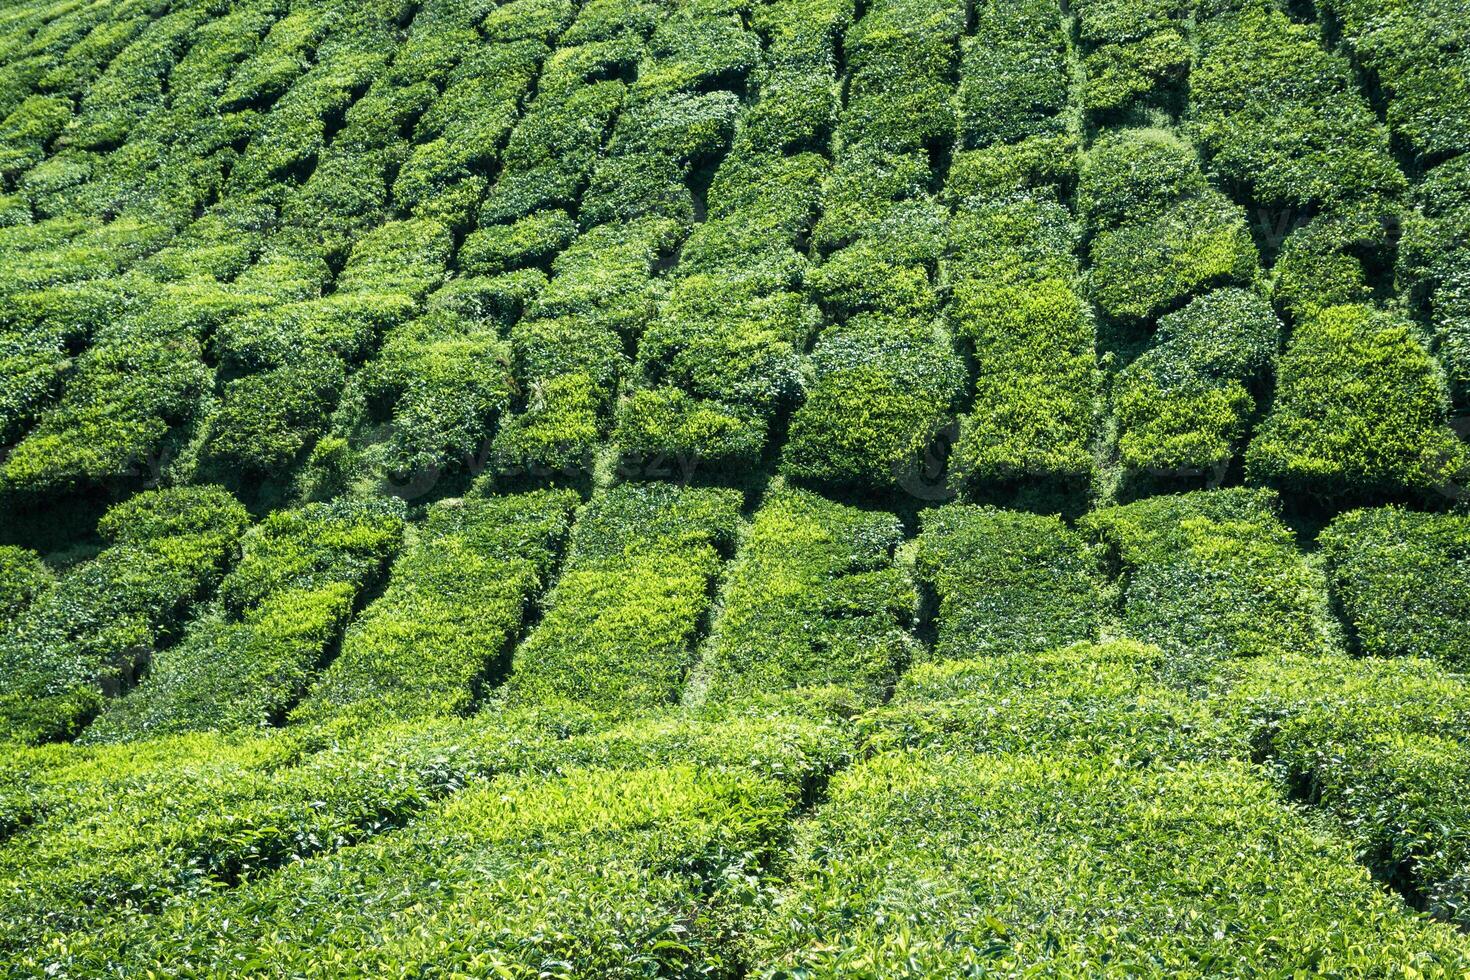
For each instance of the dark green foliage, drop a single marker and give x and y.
(1416, 54)
(1032, 164)
(812, 599)
(266, 419)
(1212, 575)
(455, 604)
(620, 625)
(901, 56)
(1007, 582)
(1184, 404)
(443, 381)
(1161, 234)
(1013, 77)
(85, 637)
(1134, 50)
(1015, 297)
(1434, 263)
(23, 580)
(1278, 114)
(1332, 260)
(882, 388)
(1403, 581)
(1360, 410)
(244, 662)
(530, 241)
(1378, 745)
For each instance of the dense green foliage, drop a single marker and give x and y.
(734, 488)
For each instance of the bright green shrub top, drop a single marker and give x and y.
(23, 579)
(247, 660)
(813, 598)
(1360, 410)
(1184, 404)
(1036, 863)
(1403, 581)
(1214, 574)
(1007, 582)
(451, 613)
(621, 623)
(1381, 745)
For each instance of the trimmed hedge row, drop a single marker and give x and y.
(1377, 745)
(1214, 574)
(924, 865)
(85, 637)
(1015, 296)
(1007, 582)
(1092, 701)
(1013, 74)
(812, 599)
(1434, 264)
(721, 360)
(246, 660)
(1161, 234)
(119, 831)
(633, 596)
(1184, 405)
(453, 608)
(1134, 52)
(902, 57)
(1416, 54)
(569, 350)
(1279, 116)
(605, 873)
(1402, 581)
(1360, 411)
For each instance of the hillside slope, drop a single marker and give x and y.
(724, 488)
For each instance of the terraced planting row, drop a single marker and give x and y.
(783, 488)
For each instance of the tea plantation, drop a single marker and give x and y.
(734, 488)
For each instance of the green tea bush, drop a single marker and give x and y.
(1278, 114)
(648, 854)
(1327, 262)
(813, 598)
(1095, 701)
(119, 831)
(1013, 74)
(925, 865)
(84, 638)
(1403, 581)
(882, 388)
(901, 56)
(1360, 411)
(1033, 164)
(1015, 298)
(1214, 574)
(552, 151)
(1184, 405)
(528, 242)
(1007, 582)
(1161, 234)
(1134, 51)
(442, 380)
(1377, 745)
(244, 663)
(1147, 267)
(1434, 263)
(1415, 54)
(23, 580)
(454, 607)
(621, 623)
